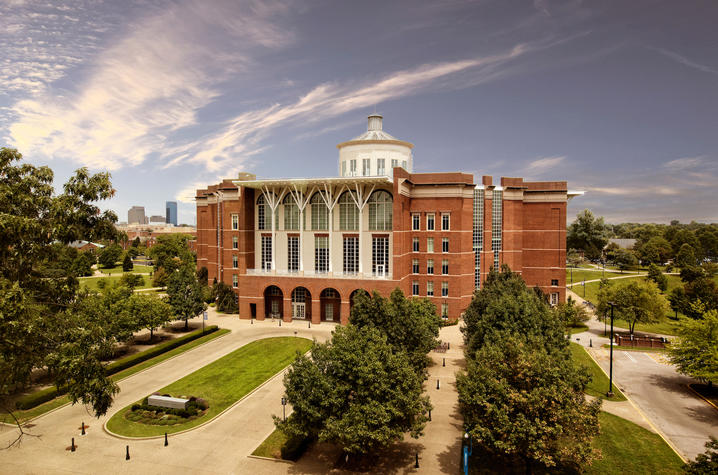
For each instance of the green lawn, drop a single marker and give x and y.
(580, 275)
(272, 445)
(91, 282)
(118, 269)
(222, 382)
(577, 329)
(599, 381)
(57, 402)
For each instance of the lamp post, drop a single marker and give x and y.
(468, 450)
(610, 371)
(284, 409)
(571, 276)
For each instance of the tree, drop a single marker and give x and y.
(203, 275)
(225, 298)
(657, 250)
(691, 273)
(36, 326)
(185, 294)
(136, 241)
(705, 463)
(686, 256)
(410, 325)
(521, 400)
(355, 391)
(109, 255)
(587, 233)
(695, 353)
(573, 258)
(82, 264)
(159, 279)
(636, 302)
(171, 252)
(127, 263)
(625, 259)
(570, 314)
(149, 310)
(132, 280)
(704, 291)
(655, 274)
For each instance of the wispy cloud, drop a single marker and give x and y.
(544, 163)
(685, 163)
(687, 62)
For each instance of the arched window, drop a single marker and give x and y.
(291, 213)
(380, 211)
(348, 212)
(320, 213)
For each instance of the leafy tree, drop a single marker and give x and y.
(132, 280)
(136, 242)
(82, 264)
(587, 233)
(703, 290)
(611, 251)
(655, 274)
(410, 325)
(149, 310)
(705, 463)
(133, 252)
(519, 399)
(625, 259)
(695, 353)
(225, 297)
(355, 391)
(37, 329)
(171, 252)
(570, 314)
(692, 273)
(185, 294)
(636, 302)
(203, 275)
(656, 251)
(109, 255)
(573, 258)
(127, 263)
(605, 289)
(159, 279)
(686, 256)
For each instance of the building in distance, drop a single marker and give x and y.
(171, 212)
(136, 215)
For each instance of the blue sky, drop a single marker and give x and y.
(619, 98)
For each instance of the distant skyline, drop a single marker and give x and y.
(618, 98)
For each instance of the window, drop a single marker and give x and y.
(415, 218)
(430, 266)
(415, 288)
(235, 222)
(235, 242)
(366, 167)
(429, 244)
(444, 244)
(445, 221)
(235, 281)
(415, 244)
(380, 169)
(554, 282)
(496, 222)
(344, 168)
(478, 234)
(380, 256)
(445, 266)
(266, 252)
(415, 266)
(380, 211)
(264, 214)
(444, 289)
(430, 288)
(235, 261)
(445, 310)
(403, 164)
(293, 253)
(352, 168)
(554, 298)
(351, 254)
(320, 213)
(348, 212)
(394, 163)
(430, 222)
(321, 254)
(291, 214)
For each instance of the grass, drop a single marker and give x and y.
(221, 383)
(26, 415)
(272, 445)
(118, 269)
(91, 282)
(634, 348)
(577, 329)
(599, 381)
(579, 275)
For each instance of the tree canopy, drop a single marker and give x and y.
(587, 233)
(636, 301)
(186, 295)
(695, 352)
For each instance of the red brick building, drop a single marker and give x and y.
(302, 247)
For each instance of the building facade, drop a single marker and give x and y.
(136, 215)
(301, 248)
(171, 212)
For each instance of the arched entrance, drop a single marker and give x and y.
(330, 303)
(273, 298)
(301, 303)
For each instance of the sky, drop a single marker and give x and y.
(619, 98)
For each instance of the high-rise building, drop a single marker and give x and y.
(157, 219)
(301, 248)
(136, 215)
(171, 212)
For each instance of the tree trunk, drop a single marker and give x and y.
(151, 331)
(529, 470)
(186, 323)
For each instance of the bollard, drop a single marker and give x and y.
(448, 345)
(72, 447)
(590, 342)
(127, 455)
(429, 415)
(280, 322)
(416, 465)
(166, 443)
(83, 428)
(443, 362)
(437, 384)
(251, 321)
(310, 324)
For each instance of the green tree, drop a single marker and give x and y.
(695, 353)
(132, 280)
(636, 301)
(587, 233)
(82, 264)
(185, 294)
(109, 255)
(149, 310)
(655, 274)
(686, 256)
(656, 251)
(570, 314)
(127, 263)
(355, 391)
(172, 252)
(520, 400)
(702, 291)
(225, 298)
(625, 259)
(573, 258)
(159, 279)
(136, 241)
(705, 463)
(410, 325)
(691, 273)
(203, 275)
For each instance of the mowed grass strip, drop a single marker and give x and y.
(599, 382)
(91, 282)
(28, 414)
(221, 383)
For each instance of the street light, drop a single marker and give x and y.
(284, 409)
(468, 450)
(610, 372)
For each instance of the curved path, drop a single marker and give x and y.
(220, 446)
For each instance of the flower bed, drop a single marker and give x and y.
(165, 416)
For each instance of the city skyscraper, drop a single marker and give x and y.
(136, 215)
(171, 212)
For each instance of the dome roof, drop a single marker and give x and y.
(374, 130)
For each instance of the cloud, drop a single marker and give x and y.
(543, 164)
(684, 163)
(686, 62)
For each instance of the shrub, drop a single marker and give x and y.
(294, 447)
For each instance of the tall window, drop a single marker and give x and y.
(403, 164)
(291, 214)
(430, 266)
(380, 256)
(366, 167)
(415, 288)
(394, 163)
(293, 253)
(415, 218)
(380, 211)
(445, 221)
(235, 281)
(478, 234)
(235, 242)
(415, 266)
(429, 244)
(321, 254)
(348, 212)
(445, 310)
(264, 214)
(266, 252)
(380, 167)
(444, 244)
(430, 288)
(320, 213)
(235, 261)
(445, 266)
(496, 222)
(351, 254)
(344, 168)
(430, 222)
(415, 244)
(444, 289)
(235, 222)
(352, 168)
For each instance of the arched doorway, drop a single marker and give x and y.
(273, 299)
(330, 303)
(301, 303)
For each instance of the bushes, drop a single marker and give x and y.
(39, 397)
(294, 447)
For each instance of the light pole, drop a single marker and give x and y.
(284, 409)
(571, 276)
(610, 371)
(468, 450)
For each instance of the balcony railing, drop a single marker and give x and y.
(321, 275)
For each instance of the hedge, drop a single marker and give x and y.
(47, 394)
(294, 447)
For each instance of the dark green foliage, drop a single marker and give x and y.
(202, 275)
(410, 325)
(136, 242)
(132, 280)
(294, 447)
(225, 298)
(587, 233)
(185, 293)
(570, 314)
(707, 462)
(171, 252)
(159, 279)
(82, 264)
(127, 263)
(636, 301)
(109, 255)
(686, 256)
(695, 353)
(625, 259)
(692, 273)
(655, 274)
(703, 290)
